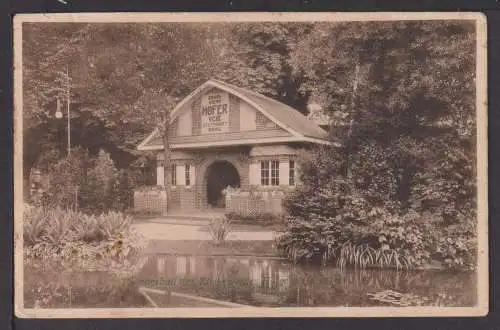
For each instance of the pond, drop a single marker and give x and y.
(274, 282)
(218, 281)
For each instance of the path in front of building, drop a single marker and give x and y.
(160, 229)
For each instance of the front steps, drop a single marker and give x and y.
(195, 215)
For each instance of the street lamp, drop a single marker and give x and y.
(59, 115)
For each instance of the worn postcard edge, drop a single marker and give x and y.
(481, 309)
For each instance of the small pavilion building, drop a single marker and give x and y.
(231, 149)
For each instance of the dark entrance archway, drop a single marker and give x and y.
(220, 175)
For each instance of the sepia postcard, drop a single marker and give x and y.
(250, 165)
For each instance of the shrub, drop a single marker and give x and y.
(100, 190)
(93, 257)
(219, 228)
(335, 241)
(34, 224)
(52, 225)
(66, 177)
(124, 196)
(91, 185)
(346, 229)
(67, 236)
(456, 245)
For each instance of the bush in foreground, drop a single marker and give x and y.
(68, 236)
(91, 184)
(332, 226)
(68, 251)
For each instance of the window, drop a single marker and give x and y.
(275, 173)
(173, 175)
(291, 172)
(264, 173)
(269, 173)
(187, 175)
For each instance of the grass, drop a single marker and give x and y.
(361, 256)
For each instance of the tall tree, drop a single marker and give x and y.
(124, 76)
(259, 58)
(413, 132)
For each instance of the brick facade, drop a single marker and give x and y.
(244, 140)
(194, 196)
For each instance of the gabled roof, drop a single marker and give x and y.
(299, 126)
(290, 117)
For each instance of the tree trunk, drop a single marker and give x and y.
(167, 162)
(354, 113)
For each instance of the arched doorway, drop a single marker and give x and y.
(220, 175)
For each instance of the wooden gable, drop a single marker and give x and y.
(217, 114)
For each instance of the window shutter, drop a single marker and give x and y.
(254, 174)
(160, 176)
(284, 169)
(173, 175)
(181, 178)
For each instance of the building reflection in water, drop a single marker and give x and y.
(264, 275)
(273, 282)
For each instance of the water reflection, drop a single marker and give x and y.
(274, 282)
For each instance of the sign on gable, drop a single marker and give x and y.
(215, 112)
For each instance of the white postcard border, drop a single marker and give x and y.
(482, 176)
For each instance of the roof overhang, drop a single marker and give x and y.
(144, 144)
(226, 143)
(296, 136)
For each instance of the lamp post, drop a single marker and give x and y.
(59, 114)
